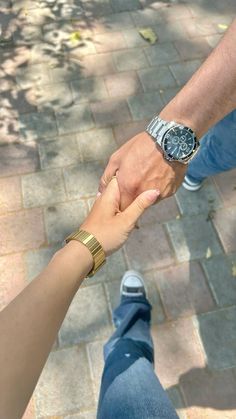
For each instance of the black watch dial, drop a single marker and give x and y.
(179, 143)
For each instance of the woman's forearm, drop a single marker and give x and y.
(211, 93)
(29, 325)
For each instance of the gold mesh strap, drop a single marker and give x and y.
(94, 247)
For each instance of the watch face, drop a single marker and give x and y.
(179, 143)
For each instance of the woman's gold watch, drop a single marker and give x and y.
(94, 247)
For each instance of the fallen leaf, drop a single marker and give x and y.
(222, 26)
(75, 37)
(149, 35)
(233, 269)
(208, 253)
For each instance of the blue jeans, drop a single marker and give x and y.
(130, 389)
(217, 152)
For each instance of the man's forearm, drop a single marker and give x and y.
(211, 93)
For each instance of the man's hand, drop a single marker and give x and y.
(139, 165)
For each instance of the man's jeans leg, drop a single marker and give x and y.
(217, 151)
(130, 389)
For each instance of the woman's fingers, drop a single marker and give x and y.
(110, 198)
(138, 206)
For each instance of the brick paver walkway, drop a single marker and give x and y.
(66, 105)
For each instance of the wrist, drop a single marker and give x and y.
(74, 260)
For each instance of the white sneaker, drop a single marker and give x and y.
(132, 285)
(190, 185)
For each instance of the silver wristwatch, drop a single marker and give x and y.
(179, 143)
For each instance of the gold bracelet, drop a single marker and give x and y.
(94, 247)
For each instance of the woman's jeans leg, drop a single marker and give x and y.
(130, 389)
(217, 152)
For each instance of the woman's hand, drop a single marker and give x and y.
(108, 224)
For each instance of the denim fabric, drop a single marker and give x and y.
(130, 389)
(217, 152)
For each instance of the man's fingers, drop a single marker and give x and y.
(107, 176)
(110, 198)
(138, 206)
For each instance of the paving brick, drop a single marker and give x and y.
(140, 248)
(37, 260)
(97, 65)
(96, 362)
(50, 97)
(206, 200)
(177, 401)
(113, 269)
(226, 184)
(197, 27)
(67, 71)
(110, 112)
(146, 17)
(12, 277)
(44, 53)
(104, 42)
(37, 125)
(85, 47)
(22, 232)
(224, 222)
(10, 194)
(154, 78)
(87, 318)
(43, 188)
(220, 275)
(193, 238)
(182, 72)
(175, 12)
(123, 5)
(170, 32)
(59, 391)
(18, 100)
(161, 54)
(113, 22)
(75, 118)
(133, 38)
(91, 89)
(218, 334)
(168, 94)
(96, 144)
(27, 35)
(123, 84)
(165, 210)
(130, 59)
(213, 40)
(63, 219)
(97, 8)
(209, 394)
(27, 76)
(124, 132)
(59, 152)
(83, 180)
(197, 47)
(113, 292)
(30, 411)
(184, 290)
(177, 350)
(145, 105)
(85, 415)
(17, 158)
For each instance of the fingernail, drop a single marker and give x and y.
(98, 194)
(153, 194)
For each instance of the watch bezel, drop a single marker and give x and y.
(193, 152)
